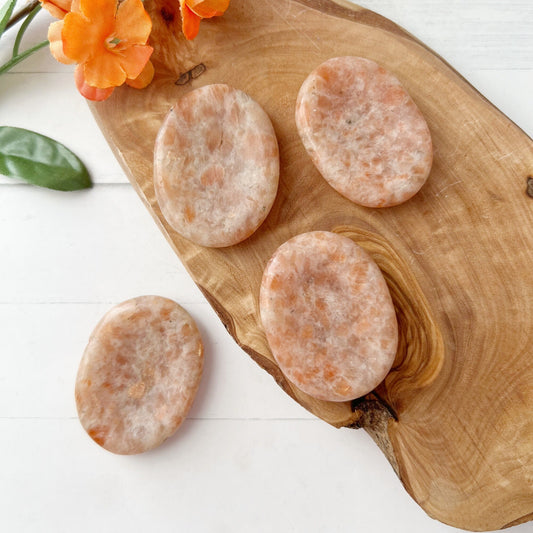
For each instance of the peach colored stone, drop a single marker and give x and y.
(328, 316)
(216, 166)
(139, 374)
(363, 132)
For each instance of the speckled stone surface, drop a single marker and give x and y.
(139, 374)
(216, 166)
(363, 132)
(328, 316)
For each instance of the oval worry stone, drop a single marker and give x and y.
(216, 166)
(139, 374)
(328, 316)
(363, 132)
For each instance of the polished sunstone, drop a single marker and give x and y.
(363, 131)
(216, 166)
(328, 316)
(139, 374)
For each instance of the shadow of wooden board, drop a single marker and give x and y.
(455, 415)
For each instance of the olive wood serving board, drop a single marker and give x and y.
(455, 415)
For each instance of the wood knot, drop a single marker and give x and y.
(372, 412)
(420, 353)
(374, 416)
(168, 16)
(529, 188)
(191, 74)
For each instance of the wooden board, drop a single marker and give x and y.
(455, 415)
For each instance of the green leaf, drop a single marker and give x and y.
(5, 13)
(41, 161)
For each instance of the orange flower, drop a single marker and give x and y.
(193, 11)
(57, 8)
(108, 41)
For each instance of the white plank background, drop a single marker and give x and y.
(248, 459)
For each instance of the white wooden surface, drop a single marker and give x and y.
(248, 459)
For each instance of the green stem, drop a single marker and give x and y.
(22, 13)
(17, 59)
(23, 28)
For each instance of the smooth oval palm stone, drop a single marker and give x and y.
(363, 132)
(328, 316)
(139, 374)
(216, 166)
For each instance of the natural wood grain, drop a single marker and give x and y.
(455, 415)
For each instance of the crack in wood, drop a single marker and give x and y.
(529, 189)
(191, 74)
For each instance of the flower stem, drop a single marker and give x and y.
(26, 10)
(23, 28)
(18, 58)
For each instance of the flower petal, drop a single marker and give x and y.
(100, 12)
(208, 8)
(144, 78)
(56, 43)
(133, 59)
(133, 24)
(91, 93)
(82, 39)
(57, 8)
(104, 70)
(190, 22)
